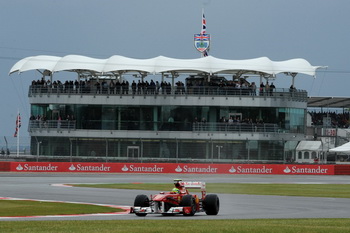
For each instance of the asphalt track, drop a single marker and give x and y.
(40, 186)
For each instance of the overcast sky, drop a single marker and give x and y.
(316, 30)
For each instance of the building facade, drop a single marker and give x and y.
(206, 118)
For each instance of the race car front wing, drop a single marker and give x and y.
(149, 210)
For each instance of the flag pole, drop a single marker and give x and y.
(202, 53)
(204, 32)
(18, 122)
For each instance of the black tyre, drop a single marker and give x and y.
(141, 201)
(188, 200)
(211, 204)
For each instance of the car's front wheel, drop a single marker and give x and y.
(141, 201)
(188, 201)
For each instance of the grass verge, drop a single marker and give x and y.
(202, 226)
(13, 208)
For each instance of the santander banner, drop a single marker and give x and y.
(182, 168)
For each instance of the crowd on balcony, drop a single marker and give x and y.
(241, 87)
(41, 121)
(234, 123)
(235, 120)
(192, 86)
(105, 87)
(340, 120)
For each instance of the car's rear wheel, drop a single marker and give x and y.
(211, 204)
(188, 201)
(141, 201)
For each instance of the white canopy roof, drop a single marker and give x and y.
(309, 146)
(343, 148)
(160, 64)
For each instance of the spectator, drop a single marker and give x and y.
(272, 88)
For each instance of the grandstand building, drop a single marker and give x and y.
(165, 109)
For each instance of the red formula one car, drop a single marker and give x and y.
(178, 201)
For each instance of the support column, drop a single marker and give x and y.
(155, 118)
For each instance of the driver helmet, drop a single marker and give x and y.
(177, 183)
(175, 190)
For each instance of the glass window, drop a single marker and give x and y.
(313, 154)
(108, 118)
(300, 155)
(306, 155)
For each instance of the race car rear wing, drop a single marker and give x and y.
(193, 185)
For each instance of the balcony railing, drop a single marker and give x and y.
(295, 94)
(52, 124)
(157, 126)
(236, 127)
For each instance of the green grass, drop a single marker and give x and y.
(12, 208)
(191, 225)
(306, 190)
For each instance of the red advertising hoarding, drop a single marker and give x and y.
(182, 168)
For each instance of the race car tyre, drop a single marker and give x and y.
(211, 204)
(188, 200)
(141, 201)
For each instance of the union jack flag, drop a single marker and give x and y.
(18, 124)
(202, 40)
(204, 25)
